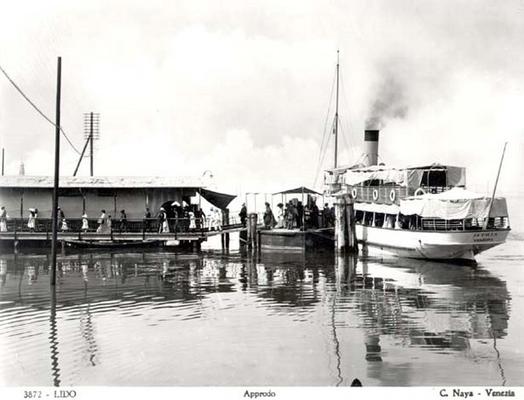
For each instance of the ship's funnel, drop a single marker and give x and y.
(371, 147)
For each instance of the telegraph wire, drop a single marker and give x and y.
(37, 109)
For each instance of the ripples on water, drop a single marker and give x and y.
(272, 319)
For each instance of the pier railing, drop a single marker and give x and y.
(145, 225)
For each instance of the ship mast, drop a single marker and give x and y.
(335, 130)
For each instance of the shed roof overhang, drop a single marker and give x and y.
(100, 182)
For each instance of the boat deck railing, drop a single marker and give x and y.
(438, 224)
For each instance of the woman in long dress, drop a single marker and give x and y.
(218, 219)
(192, 221)
(62, 220)
(85, 222)
(269, 218)
(102, 223)
(280, 215)
(162, 221)
(31, 221)
(3, 219)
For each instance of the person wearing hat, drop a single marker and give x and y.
(280, 215)
(102, 223)
(85, 222)
(3, 219)
(123, 221)
(269, 218)
(163, 226)
(62, 220)
(31, 221)
(147, 220)
(243, 214)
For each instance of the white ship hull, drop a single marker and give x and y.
(436, 245)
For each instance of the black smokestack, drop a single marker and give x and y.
(371, 146)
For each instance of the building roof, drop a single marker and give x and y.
(131, 182)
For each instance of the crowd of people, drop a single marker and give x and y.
(187, 217)
(176, 218)
(295, 215)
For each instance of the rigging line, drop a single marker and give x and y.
(349, 118)
(37, 109)
(323, 146)
(327, 116)
(323, 155)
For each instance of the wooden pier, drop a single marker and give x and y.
(15, 238)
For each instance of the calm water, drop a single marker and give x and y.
(229, 319)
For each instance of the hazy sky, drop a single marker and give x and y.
(242, 88)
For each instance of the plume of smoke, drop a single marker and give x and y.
(390, 100)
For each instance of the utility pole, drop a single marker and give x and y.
(91, 132)
(91, 140)
(3, 158)
(336, 115)
(57, 174)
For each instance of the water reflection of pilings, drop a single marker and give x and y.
(3, 271)
(53, 340)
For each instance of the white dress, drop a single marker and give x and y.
(31, 221)
(85, 223)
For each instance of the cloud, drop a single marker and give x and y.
(242, 89)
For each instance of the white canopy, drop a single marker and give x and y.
(410, 176)
(456, 203)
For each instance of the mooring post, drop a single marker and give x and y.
(350, 223)
(225, 222)
(340, 225)
(252, 230)
(196, 246)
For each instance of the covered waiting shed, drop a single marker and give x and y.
(91, 194)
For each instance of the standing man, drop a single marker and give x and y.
(123, 221)
(147, 220)
(243, 214)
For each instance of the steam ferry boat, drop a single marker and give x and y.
(419, 211)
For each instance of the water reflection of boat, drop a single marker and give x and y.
(428, 304)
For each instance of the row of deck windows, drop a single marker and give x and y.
(415, 222)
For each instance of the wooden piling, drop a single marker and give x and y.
(252, 230)
(350, 226)
(224, 237)
(196, 246)
(340, 225)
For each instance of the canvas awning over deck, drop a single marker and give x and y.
(456, 203)
(301, 189)
(220, 200)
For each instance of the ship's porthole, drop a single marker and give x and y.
(354, 193)
(419, 192)
(375, 194)
(392, 195)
